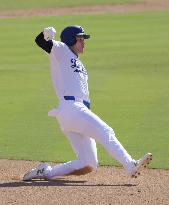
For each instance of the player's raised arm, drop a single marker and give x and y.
(44, 39)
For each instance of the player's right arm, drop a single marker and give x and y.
(44, 39)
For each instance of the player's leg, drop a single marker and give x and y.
(89, 124)
(86, 123)
(86, 152)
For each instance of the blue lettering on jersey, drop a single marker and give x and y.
(79, 68)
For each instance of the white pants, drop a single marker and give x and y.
(82, 127)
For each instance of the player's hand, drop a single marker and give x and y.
(49, 33)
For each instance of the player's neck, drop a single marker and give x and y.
(73, 50)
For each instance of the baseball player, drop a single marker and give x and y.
(79, 124)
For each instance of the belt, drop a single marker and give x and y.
(86, 103)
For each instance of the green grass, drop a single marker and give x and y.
(128, 68)
(22, 4)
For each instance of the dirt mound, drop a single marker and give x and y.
(107, 185)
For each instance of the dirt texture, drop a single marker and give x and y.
(106, 185)
(147, 5)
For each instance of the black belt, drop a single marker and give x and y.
(87, 104)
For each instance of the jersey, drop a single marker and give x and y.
(68, 74)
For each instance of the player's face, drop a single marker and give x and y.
(79, 46)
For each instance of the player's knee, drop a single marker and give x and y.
(87, 168)
(93, 164)
(107, 133)
(82, 171)
(91, 167)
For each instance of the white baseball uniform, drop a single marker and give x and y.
(80, 125)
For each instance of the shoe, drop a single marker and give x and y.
(38, 172)
(142, 162)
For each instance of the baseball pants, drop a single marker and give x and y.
(82, 128)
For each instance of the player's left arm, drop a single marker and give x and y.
(44, 39)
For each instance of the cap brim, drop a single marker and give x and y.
(86, 36)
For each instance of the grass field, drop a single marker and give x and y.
(127, 62)
(21, 4)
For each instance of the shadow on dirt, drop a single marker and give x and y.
(59, 182)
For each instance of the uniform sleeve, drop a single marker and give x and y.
(45, 45)
(58, 50)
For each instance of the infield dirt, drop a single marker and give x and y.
(108, 185)
(147, 5)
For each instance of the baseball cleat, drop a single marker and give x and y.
(142, 162)
(37, 173)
